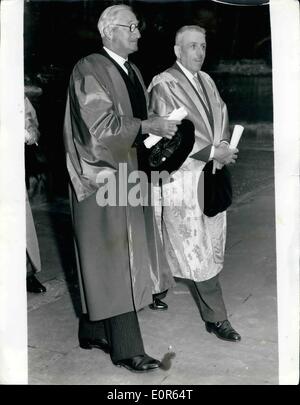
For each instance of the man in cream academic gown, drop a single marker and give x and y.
(195, 243)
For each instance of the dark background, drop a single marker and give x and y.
(58, 33)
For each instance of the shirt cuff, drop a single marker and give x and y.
(212, 153)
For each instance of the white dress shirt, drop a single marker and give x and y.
(117, 58)
(190, 76)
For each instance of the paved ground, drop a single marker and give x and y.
(249, 287)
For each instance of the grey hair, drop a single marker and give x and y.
(108, 16)
(185, 28)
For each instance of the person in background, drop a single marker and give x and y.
(33, 260)
(194, 242)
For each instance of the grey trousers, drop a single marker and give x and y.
(211, 301)
(210, 298)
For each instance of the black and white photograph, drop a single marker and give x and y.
(149, 194)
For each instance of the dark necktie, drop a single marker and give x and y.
(207, 107)
(199, 89)
(131, 73)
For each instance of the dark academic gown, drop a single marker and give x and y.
(116, 255)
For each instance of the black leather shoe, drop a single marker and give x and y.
(34, 286)
(223, 330)
(158, 304)
(89, 344)
(139, 364)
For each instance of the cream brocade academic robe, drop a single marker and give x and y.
(194, 243)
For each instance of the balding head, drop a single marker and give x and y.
(187, 28)
(190, 47)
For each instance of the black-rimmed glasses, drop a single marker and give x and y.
(132, 27)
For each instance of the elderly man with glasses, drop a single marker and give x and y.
(106, 119)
